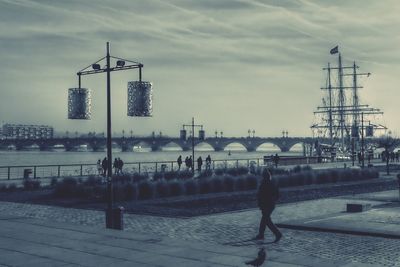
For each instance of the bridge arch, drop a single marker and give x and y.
(235, 146)
(171, 146)
(204, 146)
(297, 147)
(269, 146)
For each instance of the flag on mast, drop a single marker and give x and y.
(335, 50)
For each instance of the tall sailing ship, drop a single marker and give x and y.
(342, 121)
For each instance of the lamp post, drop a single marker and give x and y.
(192, 126)
(79, 108)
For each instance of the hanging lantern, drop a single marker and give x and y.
(183, 134)
(354, 131)
(202, 135)
(369, 131)
(140, 99)
(79, 104)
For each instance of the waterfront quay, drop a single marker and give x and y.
(148, 167)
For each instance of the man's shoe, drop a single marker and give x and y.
(259, 237)
(277, 238)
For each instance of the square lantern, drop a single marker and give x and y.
(79, 104)
(140, 99)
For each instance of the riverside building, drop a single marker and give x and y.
(21, 131)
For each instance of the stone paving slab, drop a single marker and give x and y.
(381, 221)
(203, 234)
(40, 243)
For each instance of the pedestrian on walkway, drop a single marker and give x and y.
(199, 163)
(208, 162)
(187, 163)
(104, 165)
(267, 195)
(99, 167)
(179, 161)
(190, 162)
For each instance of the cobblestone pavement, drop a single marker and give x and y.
(234, 227)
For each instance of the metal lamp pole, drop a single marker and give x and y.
(96, 68)
(192, 126)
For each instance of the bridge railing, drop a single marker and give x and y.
(149, 167)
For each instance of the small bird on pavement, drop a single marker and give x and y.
(262, 255)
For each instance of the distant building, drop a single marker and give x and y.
(20, 131)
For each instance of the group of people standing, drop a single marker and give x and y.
(102, 166)
(189, 163)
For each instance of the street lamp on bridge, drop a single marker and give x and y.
(139, 104)
(192, 135)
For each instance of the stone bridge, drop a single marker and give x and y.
(155, 143)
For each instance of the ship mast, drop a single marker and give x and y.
(341, 116)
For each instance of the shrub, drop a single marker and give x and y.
(100, 192)
(158, 176)
(219, 171)
(217, 184)
(306, 168)
(53, 181)
(321, 177)
(66, 188)
(191, 187)
(93, 180)
(119, 192)
(282, 180)
(176, 188)
(3, 187)
(204, 186)
(83, 191)
(229, 183)
(30, 184)
(12, 187)
(170, 175)
(136, 177)
(205, 174)
(296, 169)
(131, 192)
(162, 189)
(251, 182)
(146, 190)
(240, 183)
(237, 171)
(186, 174)
(123, 178)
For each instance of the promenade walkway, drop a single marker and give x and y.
(54, 236)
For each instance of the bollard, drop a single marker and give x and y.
(115, 218)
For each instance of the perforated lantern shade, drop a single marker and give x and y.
(369, 131)
(79, 104)
(140, 99)
(202, 135)
(183, 134)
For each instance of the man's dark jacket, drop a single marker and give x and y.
(267, 195)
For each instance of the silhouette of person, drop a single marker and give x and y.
(276, 159)
(104, 165)
(187, 163)
(199, 163)
(208, 162)
(179, 161)
(115, 165)
(190, 162)
(120, 165)
(267, 195)
(99, 167)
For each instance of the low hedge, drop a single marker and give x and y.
(146, 189)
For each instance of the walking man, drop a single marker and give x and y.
(267, 195)
(199, 164)
(179, 161)
(104, 165)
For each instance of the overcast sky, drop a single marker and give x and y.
(232, 64)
